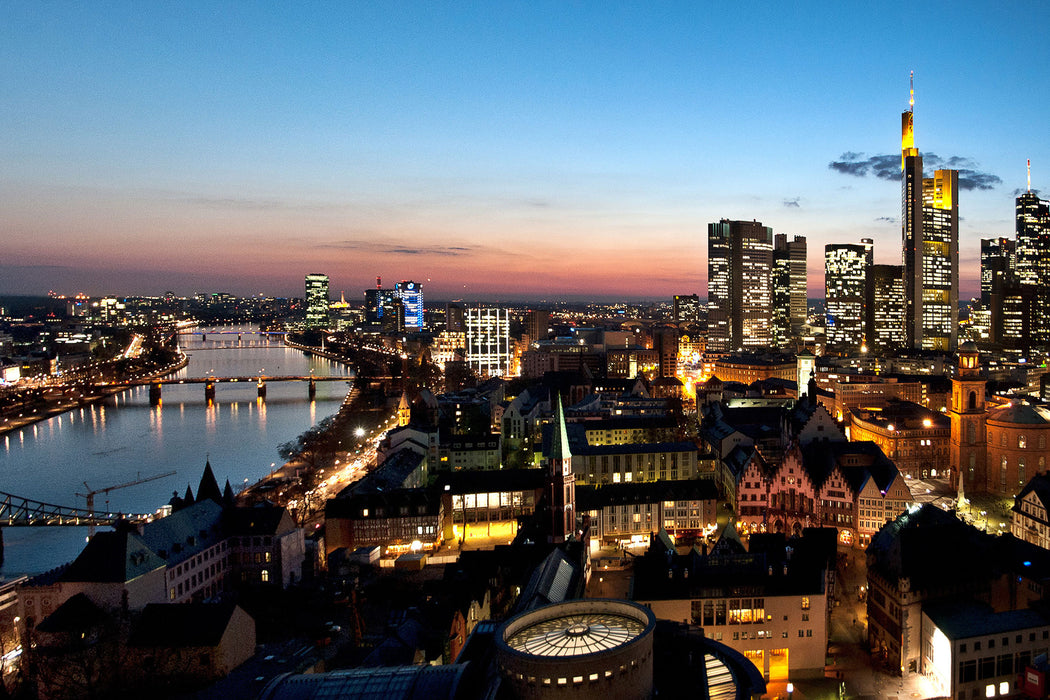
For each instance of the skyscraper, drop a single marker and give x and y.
(488, 341)
(411, 295)
(1033, 260)
(739, 286)
(845, 283)
(317, 301)
(930, 232)
(997, 265)
(789, 289)
(686, 308)
(885, 308)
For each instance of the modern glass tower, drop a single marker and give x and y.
(739, 286)
(790, 303)
(411, 295)
(317, 301)
(1033, 260)
(845, 282)
(930, 233)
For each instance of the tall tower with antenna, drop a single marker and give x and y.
(930, 242)
(1033, 259)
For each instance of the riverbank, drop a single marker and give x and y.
(57, 405)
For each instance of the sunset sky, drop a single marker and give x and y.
(491, 150)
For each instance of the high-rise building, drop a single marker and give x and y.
(317, 301)
(411, 295)
(537, 324)
(665, 342)
(739, 286)
(488, 341)
(930, 232)
(845, 283)
(686, 308)
(997, 265)
(454, 318)
(1033, 260)
(393, 317)
(789, 289)
(885, 307)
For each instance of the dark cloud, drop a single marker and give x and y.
(888, 167)
(792, 203)
(1018, 192)
(887, 219)
(393, 249)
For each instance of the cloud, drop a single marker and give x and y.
(886, 219)
(382, 248)
(1018, 192)
(792, 203)
(887, 167)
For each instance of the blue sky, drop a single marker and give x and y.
(489, 150)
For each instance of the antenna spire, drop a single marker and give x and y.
(911, 102)
(1029, 174)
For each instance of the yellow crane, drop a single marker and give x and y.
(90, 495)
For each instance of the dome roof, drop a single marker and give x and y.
(968, 346)
(1020, 413)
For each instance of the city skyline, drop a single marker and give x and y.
(541, 151)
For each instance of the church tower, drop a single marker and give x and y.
(404, 411)
(562, 482)
(969, 444)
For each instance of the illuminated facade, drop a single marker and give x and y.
(997, 264)
(789, 289)
(488, 341)
(686, 308)
(317, 301)
(1033, 262)
(885, 308)
(930, 233)
(411, 295)
(845, 282)
(740, 285)
(968, 444)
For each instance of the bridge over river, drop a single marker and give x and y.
(210, 382)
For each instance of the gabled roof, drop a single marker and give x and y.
(75, 615)
(113, 557)
(858, 462)
(729, 543)
(181, 625)
(185, 532)
(1040, 486)
(257, 520)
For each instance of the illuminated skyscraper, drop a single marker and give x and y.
(411, 295)
(789, 289)
(1033, 260)
(317, 301)
(739, 286)
(488, 341)
(845, 283)
(885, 307)
(930, 232)
(686, 308)
(997, 265)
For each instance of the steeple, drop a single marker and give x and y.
(560, 437)
(208, 486)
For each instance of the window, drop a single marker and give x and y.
(1022, 442)
(805, 602)
(264, 576)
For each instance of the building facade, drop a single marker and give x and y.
(411, 296)
(845, 282)
(740, 285)
(885, 308)
(790, 303)
(488, 341)
(317, 301)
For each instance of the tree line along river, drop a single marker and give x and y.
(125, 439)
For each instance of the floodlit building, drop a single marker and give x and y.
(411, 296)
(845, 281)
(930, 233)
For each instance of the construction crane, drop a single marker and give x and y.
(90, 495)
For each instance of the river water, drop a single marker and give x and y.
(124, 439)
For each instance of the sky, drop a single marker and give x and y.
(491, 150)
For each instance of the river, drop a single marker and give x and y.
(124, 439)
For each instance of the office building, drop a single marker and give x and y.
(488, 341)
(930, 233)
(317, 301)
(740, 285)
(537, 324)
(411, 296)
(789, 289)
(686, 308)
(1033, 261)
(885, 309)
(665, 342)
(454, 322)
(997, 265)
(845, 282)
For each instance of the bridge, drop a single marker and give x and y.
(209, 383)
(17, 511)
